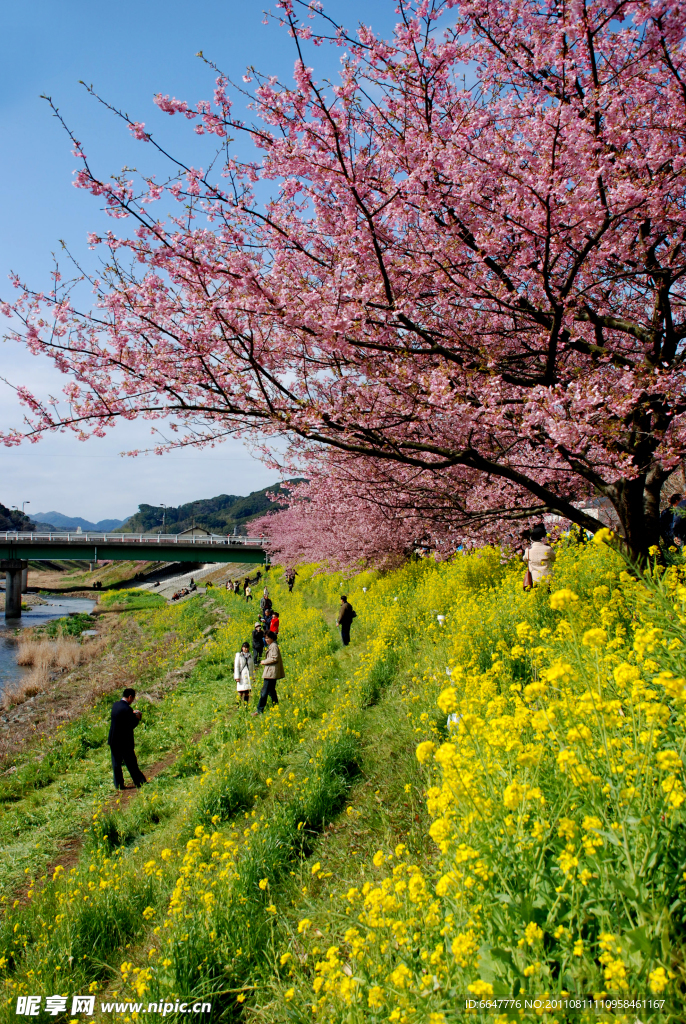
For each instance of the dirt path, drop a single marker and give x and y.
(71, 849)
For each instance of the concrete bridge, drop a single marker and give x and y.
(17, 549)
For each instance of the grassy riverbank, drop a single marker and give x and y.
(288, 868)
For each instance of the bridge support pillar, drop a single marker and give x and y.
(24, 580)
(14, 570)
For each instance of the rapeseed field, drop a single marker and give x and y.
(474, 811)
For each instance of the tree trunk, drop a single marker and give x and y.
(638, 506)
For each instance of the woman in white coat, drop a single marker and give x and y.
(244, 672)
(539, 556)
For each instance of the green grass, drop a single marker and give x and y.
(300, 802)
(69, 625)
(132, 600)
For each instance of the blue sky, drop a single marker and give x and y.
(129, 51)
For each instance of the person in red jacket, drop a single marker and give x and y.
(274, 623)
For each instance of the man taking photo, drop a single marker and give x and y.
(123, 721)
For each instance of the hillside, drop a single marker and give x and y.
(13, 519)
(477, 802)
(222, 514)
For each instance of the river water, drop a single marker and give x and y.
(55, 608)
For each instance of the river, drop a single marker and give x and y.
(55, 608)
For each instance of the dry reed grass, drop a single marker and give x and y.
(33, 683)
(42, 656)
(62, 653)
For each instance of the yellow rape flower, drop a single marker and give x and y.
(562, 599)
(448, 702)
(532, 933)
(480, 989)
(425, 750)
(674, 790)
(567, 862)
(400, 976)
(658, 980)
(375, 997)
(566, 828)
(464, 948)
(595, 637)
(668, 761)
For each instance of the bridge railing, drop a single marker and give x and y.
(144, 539)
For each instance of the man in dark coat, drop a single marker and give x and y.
(668, 519)
(257, 642)
(345, 617)
(123, 721)
(679, 523)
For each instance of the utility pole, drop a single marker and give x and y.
(164, 516)
(22, 506)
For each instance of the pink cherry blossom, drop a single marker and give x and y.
(464, 302)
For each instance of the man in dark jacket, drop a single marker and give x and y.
(679, 523)
(345, 617)
(123, 721)
(668, 519)
(257, 642)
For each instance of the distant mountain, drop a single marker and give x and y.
(108, 525)
(61, 522)
(222, 514)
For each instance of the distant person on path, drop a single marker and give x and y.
(272, 670)
(539, 556)
(274, 622)
(123, 721)
(265, 601)
(248, 592)
(257, 642)
(668, 520)
(346, 615)
(290, 580)
(244, 672)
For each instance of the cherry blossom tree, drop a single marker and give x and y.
(468, 282)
